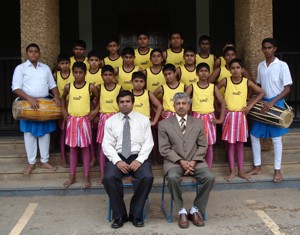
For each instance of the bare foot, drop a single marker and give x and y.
(70, 181)
(277, 176)
(230, 176)
(87, 182)
(244, 176)
(99, 181)
(256, 170)
(64, 164)
(93, 162)
(47, 165)
(28, 169)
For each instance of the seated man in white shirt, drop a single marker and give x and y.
(127, 152)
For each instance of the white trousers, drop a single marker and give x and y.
(31, 147)
(256, 150)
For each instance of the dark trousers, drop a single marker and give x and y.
(142, 184)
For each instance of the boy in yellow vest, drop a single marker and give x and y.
(142, 53)
(114, 59)
(204, 55)
(79, 50)
(174, 55)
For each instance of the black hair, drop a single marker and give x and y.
(124, 93)
(176, 32)
(138, 74)
(269, 40)
(63, 57)
(79, 64)
(79, 43)
(202, 65)
(189, 49)
(93, 53)
(169, 67)
(156, 50)
(113, 39)
(128, 50)
(143, 32)
(237, 60)
(228, 49)
(204, 38)
(107, 67)
(32, 45)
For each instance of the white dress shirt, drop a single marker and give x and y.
(35, 82)
(140, 132)
(274, 77)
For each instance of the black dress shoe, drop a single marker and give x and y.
(130, 217)
(137, 222)
(119, 222)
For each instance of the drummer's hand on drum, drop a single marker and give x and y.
(57, 101)
(266, 107)
(33, 103)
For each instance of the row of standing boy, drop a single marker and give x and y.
(163, 74)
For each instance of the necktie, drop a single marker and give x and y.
(182, 125)
(126, 142)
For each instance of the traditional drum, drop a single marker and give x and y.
(48, 110)
(276, 116)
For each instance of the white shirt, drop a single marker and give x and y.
(35, 82)
(140, 133)
(274, 77)
(179, 119)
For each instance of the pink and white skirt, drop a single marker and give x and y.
(209, 128)
(102, 119)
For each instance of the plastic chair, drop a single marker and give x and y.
(126, 185)
(169, 216)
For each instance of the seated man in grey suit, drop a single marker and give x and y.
(182, 144)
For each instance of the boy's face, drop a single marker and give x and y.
(78, 52)
(143, 41)
(236, 69)
(112, 48)
(108, 77)
(138, 83)
(169, 76)
(203, 73)
(79, 74)
(268, 49)
(189, 58)
(94, 62)
(128, 59)
(176, 40)
(204, 45)
(33, 54)
(156, 58)
(229, 56)
(64, 65)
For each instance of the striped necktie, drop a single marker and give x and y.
(182, 125)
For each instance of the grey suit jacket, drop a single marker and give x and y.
(174, 146)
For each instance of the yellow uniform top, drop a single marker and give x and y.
(203, 99)
(61, 82)
(142, 103)
(154, 80)
(210, 60)
(188, 77)
(224, 73)
(114, 63)
(124, 78)
(168, 103)
(142, 60)
(79, 100)
(223, 61)
(108, 99)
(94, 78)
(72, 60)
(175, 58)
(236, 94)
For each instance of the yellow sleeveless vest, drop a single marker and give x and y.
(124, 78)
(209, 60)
(188, 77)
(94, 78)
(114, 63)
(108, 99)
(61, 82)
(168, 104)
(142, 61)
(142, 103)
(154, 80)
(236, 94)
(224, 73)
(72, 60)
(203, 99)
(79, 100)
(175, 58)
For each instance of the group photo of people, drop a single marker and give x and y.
(140, 107)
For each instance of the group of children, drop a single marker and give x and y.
(89, 86)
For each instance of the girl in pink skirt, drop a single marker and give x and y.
(78, 116)
(203, 95)
(235, 127)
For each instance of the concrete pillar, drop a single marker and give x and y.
(202, 18)
(40, 25)
(85, 22)
(253, 23)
